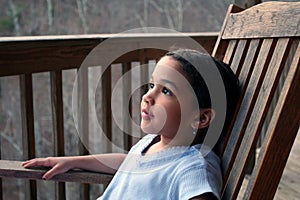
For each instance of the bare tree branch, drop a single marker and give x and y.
(146, 5)
(157, 7)
(4, 134)
(50, 15)
(169, 18)
(15, 17)
(140, 19)
(82, 11)
(180, 15)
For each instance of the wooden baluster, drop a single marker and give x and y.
(127, 107)
(27, 115)
(58, 125)
(83, 120)
(106, 101)
(144, 74)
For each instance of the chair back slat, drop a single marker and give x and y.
(237, 59)
(245, 73)
(230, 51)
(248, 63)
(276, 135)
(257, 43)
(246, 107)
(256, 118)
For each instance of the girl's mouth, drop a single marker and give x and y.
(146, 115)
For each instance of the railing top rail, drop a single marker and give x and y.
(33, 54)
(104, 36)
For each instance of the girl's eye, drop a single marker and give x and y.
(150, 85)
(166, 91)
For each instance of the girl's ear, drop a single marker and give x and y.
(203, 118)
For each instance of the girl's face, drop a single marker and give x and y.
(169, 106)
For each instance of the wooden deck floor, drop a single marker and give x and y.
(289, 187)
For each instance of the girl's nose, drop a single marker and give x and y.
(148, 97)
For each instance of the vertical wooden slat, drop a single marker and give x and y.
(256, 119)
(238, 129)
(1, 192)
(27, 116)
(106, 100)
(83, 120)
(58, 125)
(127, 108)
(248, 62)
(276, 135)
(144, 75)
(280, 85)
(246, 71)
(83, 110)
(237, 59)
(230, 52)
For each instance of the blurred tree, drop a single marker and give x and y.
(35, 17)
(15, 16)
(50, 15)
(82, 12)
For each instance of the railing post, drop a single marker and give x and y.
(28, 128)
(58, 125)
(126, 94)
(106, 112)
(83, 121)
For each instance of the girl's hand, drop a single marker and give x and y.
(105, 163)
(58, 165)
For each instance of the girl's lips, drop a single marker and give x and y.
(145, 114)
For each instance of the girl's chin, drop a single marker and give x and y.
(149, 130)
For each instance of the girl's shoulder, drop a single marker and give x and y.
(199, 156)
(143, 143)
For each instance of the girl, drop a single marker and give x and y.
(168, 163)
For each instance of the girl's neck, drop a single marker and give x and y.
(160, 143)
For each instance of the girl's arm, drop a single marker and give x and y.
(107, 163)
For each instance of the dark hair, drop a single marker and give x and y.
(231, 83)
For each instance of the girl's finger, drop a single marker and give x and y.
(36, 162)
(52, 172)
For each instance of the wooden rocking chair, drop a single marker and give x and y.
(261, 44)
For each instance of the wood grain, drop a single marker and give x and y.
(271, 19)
(14, 169)
(22, 55)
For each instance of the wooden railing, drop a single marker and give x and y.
(24, 57)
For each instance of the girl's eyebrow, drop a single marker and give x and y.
(166, 81)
